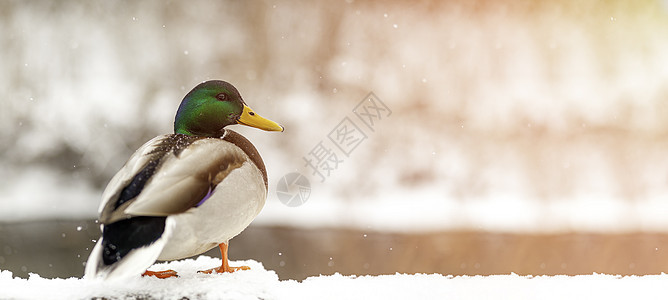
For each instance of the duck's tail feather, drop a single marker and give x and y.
(127, 247)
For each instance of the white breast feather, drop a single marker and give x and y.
(231, 208)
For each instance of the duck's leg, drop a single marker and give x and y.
(161, 274)
(225, 267)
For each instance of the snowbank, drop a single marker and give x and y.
(259, 283)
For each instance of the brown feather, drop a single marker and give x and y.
(194, 186)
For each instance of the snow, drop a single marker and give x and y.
(424, 210)
(73, 196)
(259, 283)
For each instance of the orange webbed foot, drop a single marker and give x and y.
(225, 266)
(223, 269)
(161, 274)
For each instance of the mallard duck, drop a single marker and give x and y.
(184, 193)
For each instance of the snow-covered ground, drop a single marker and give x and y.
(259, 283)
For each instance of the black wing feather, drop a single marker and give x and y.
(135, 186)
(119, 238)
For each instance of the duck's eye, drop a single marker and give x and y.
(221, 97)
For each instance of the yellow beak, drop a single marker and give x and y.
(250, 118)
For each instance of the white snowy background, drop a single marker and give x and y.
(512, 116)
(506, 116)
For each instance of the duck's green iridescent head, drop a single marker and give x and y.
(214, 104)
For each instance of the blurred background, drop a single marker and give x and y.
(524, 136)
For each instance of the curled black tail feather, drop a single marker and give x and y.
(119, 238)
